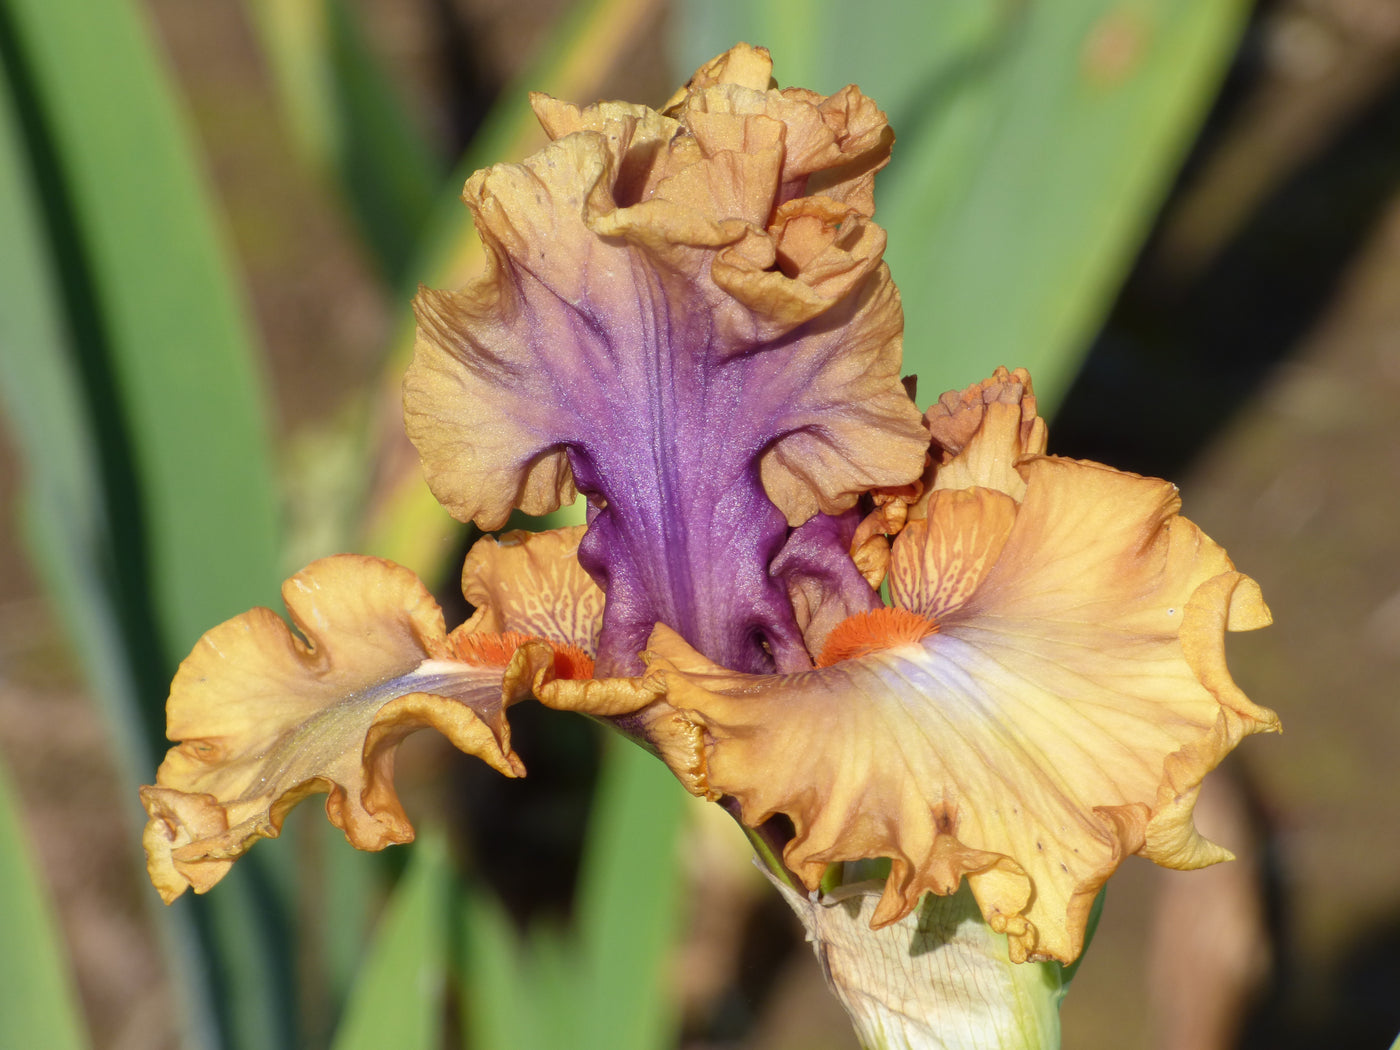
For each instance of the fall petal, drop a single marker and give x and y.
(1060, 717)
(265, 718)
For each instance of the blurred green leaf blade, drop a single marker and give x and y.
(604, 983)
(494, 985)
(38, 1005)
(349, 121)
(629, 906)
(397, 999)
(160, 411)
(63, 504)
(1089, 107)
(175, 336)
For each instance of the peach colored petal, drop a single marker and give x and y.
(1060, 718)
(742, 65)
(983, 432)
(265, 718)
(532, 583)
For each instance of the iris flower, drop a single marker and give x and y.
(685, 317)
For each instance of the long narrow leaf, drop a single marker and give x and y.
(40, 390)
(64, 510)
(604, 983)
(175, 334)
(494, 985)
(398, 997)
(38, 1006)
(1089, 106)
(629, 904)
(351, 125)
(169, 404)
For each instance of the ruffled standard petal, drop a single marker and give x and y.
(265, 718)
(1058, 716)
(686, 316)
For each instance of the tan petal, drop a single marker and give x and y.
(742, 65)
(982, 432)
(1060, 718)
(532, 583)
(265, 718)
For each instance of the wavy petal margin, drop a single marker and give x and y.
(685, 315)
(1056, 712)
(265, 718)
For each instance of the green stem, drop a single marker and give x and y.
(939, 979)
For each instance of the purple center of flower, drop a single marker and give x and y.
(680, 529)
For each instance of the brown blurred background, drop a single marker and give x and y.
(1253, 356)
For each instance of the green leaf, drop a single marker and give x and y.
(55, 435)
(628, 904)
(38, 1006)
(163, 318)
(1035, 143)
(495, 989)
(64, 510)
(603, 984)
(1075, 120)
(349, 121)
(397, 1000)
(128, 378)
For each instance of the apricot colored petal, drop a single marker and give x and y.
(668, 323)
(743, 65)
(532, 583)
(981, 433)
(1061, 718)
(265, 718)
(944, 558)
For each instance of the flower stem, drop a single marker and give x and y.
(939, 979)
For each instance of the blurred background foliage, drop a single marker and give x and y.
(1182, 215)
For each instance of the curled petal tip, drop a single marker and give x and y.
(267, 717)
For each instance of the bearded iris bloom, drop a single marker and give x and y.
(685, 317)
